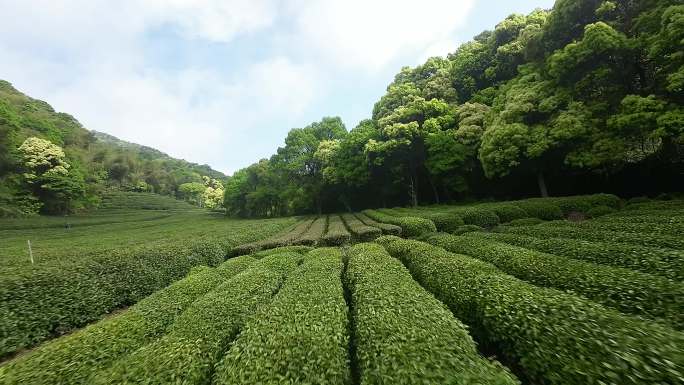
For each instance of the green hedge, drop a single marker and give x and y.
(626, 290)
(301, 337)
(599, 211)
(279, 240)
(553, 337)
(402, 334)
(664, 224)
(337, 233)
(284, 249)
(410, 226)
(312, 236)
(540, 209)
(480, 217)
(386, 228)
(360, 231)
(664, 263)
(74, 358)
(574, 231)
(43, 301)
(198, 337)
(467, 229)
(508, 212)
(525, 222)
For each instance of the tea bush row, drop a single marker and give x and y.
(551, 336)
(360, 231)
(410, 226)
(661, 262)
(301, 336)
(402, 334)
(313, 235)
(386, 228)
(278, 240)
(200, 335)
(626, 290)
(74, 358)
(337, 233)
(569, 230)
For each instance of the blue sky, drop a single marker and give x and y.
(222, 81)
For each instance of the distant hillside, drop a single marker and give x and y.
(66, 167)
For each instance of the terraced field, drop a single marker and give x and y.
(494, 293)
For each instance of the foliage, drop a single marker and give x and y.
(665, 263)
(74, 358)
(197, 338)
(626, 290)
(387, 228)
(410, 226)
(467, 229)
(85, 272)
(555, 337)
(360, 231)
(402, 334)
(599, 211)
(480, 217)
(300, 336)
(336, 234)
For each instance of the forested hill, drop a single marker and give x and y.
(50, 163)
(585, 97)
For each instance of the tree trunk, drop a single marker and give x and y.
(413, 191)
(435, 192)
(542, 185)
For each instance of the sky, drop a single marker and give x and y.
(221, 82)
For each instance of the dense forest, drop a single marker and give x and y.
(584, 97)
(50, 163)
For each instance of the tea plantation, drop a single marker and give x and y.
(491, 293)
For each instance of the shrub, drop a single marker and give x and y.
(525, 222)
(467, 229)
(281, 250)
(198, 336)
(386, 228)
(337, 233)
(540, 209)
(301, 336)
(507, 212)
(410, 226)
(74, 358)
(444, 221)
(637, 200)
(626, 290)
(599, 211)
(578, 231)
(360, 231)
(403, 335)
(645, 259)
(278, 240)
(313, 234)
(480, 217)
(554, 337)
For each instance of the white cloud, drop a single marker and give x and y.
(370, 34)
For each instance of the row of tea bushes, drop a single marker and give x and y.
(301, 337)
(313, 235)
(410, 226)
(74, 358)
(200, 335)
(568, 230)
(551, 336)
(336, 234)
(402, 334)
(626, 290)
(386, 228)
(360, 231)
(661, 262)
(285, 238)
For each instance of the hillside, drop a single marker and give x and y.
(96, 161)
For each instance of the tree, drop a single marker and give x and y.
(47, 172)
(192, 192)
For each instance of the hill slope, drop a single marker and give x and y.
(95, 160)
